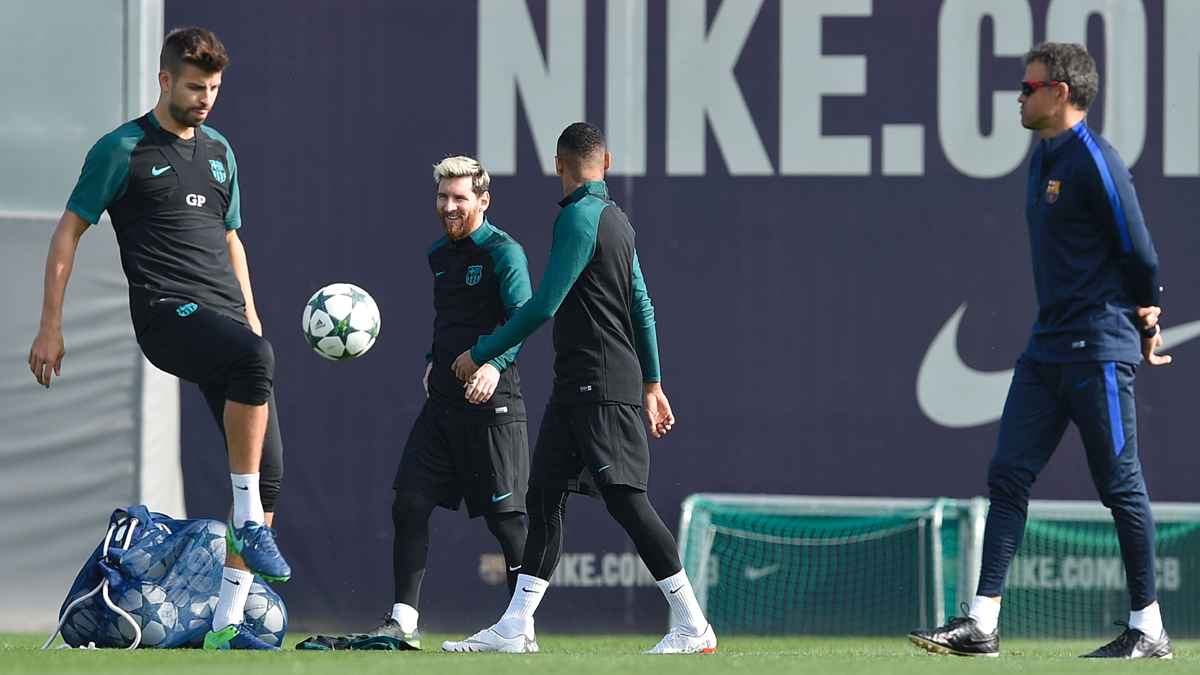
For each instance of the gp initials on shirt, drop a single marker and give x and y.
(196, 200)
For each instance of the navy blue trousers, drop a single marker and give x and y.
(1044, 397)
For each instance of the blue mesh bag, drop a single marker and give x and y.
(153, 582)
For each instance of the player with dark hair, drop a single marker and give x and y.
(459, 447)
(591, 440)
(170, 187)
(1097, 280)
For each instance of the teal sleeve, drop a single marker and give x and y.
(233, 217)
(105, 174)
(513, 271)
(645, 338)
(571, 250)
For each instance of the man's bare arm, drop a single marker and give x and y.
(46, 354)
(241, 269)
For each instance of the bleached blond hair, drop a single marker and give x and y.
(460, 166)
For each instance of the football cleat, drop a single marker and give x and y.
(960, 637)
(1133, 644)
(678, 642)
(387, 637)
(238, 636)
(488, 640)
(256, 545)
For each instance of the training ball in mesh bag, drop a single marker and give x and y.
(341, 322)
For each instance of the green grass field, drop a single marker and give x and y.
(582, 655)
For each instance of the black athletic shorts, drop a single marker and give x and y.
(582, 448)
(452, 462)
(228, 362)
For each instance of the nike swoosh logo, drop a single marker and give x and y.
(438, 274)
(502, 497)
(529, 590)
(756, 573)
(157, 171)
(955, 395)
(238, 542)
(514, 569)
(603, 468)
(677, 590)
(242, 488)
(1083, 384)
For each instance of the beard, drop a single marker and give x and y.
(457, 229)
(182, 114)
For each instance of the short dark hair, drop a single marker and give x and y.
(581, 143)
(1068, 63)
(192, 46)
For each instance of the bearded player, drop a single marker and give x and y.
(469, 443)
(169, 184)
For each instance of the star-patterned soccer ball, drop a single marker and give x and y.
(341, 322)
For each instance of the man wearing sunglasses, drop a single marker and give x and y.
(1097, 280)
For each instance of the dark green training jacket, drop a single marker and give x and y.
(478, 282)
(604, 339)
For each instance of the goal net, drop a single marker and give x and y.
(1068, 580)
(775, 565)
(789, 565)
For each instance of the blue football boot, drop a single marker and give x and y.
(256, 545)
(236, 637)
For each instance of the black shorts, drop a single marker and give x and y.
(229, 363)
(582, 448)
(487, 466)
(202, 345)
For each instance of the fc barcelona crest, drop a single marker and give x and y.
(491, 569)
(1052, 191)
(474, 274)
(218, 170)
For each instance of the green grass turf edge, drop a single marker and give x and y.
(21, 654)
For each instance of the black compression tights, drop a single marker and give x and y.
(410, 548)
(629, 506)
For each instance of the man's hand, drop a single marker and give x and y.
(46, 354)
(464, 366)
(255, 324)
(658, 409)
(1147, 317)
(1148, 345)
(425, 380)
(482, 384)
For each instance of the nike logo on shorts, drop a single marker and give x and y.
(157, 171)
(502, 497)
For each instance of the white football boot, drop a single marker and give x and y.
(678, 642)
(488, 640)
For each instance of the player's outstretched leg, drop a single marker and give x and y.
(631, 508)
(514, 632)
(510, 532)
(410, 551)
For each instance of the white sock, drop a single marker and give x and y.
(518, 618)
(1148, 620)
(247, 502)
(231, 604)
(986, 613)
(688, 615)
(406, 616)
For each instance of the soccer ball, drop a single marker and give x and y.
(341, 322)
(265, 613)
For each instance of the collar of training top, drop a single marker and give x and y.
(479, 234)
(596, 187)
(1052, 144)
